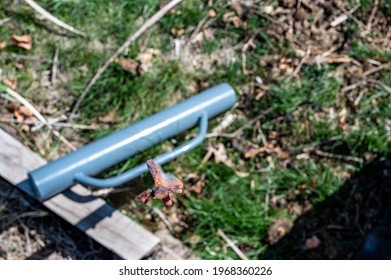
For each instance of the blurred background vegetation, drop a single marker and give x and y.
(314, 90)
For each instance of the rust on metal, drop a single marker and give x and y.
(164, 185)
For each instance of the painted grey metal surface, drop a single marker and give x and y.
(93, 158)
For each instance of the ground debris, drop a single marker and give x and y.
(23, 41)
(312, 243)
(278, 230)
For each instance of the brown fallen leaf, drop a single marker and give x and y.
(23, 41)
(237, 7)
(25, 111)
(278, 230)
(141, 64)
(232, 18)
(128, 64)
(212, 13)
(111, 117)
(145, 59)
(25, 127)
(10, 82)
(177, 32)
(199, 185)
(19, 116)
(312, 243)
(194, 239)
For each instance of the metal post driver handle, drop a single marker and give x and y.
(140, 169)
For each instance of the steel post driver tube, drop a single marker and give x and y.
(81, 165)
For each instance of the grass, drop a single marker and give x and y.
(307, 111)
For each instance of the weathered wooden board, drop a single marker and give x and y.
(78, 206)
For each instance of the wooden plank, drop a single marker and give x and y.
(78, 206)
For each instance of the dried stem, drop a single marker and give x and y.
(51, 18)
(54, 67)
(232, 245)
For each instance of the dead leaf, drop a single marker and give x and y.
(194, 239)
(25, 111)
(25, 127)
(220, 154)
(237, 7)
(18, 116)
(111, 117)
(177, 32)
(19, 65)
(198, 186)
(145, 59)
(23, 41)
(10, 82)
(128, 64)
(268, 9)
(212, 13)
(252, 153)
(232, 18)
(3, 45)
(312, 243)
(278, 230)
(83, 68)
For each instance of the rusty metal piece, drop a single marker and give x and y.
(165, 185)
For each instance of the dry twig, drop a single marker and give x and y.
(232, 245)
(377, 69)
(239, 131)
(302, 61)
(381, 84)
(59, 124)
(54, 67)
(163, 217)
(53, 19)
(196, 30)
(148, 24)
(339, 157)
(372, 16)
(350, 15)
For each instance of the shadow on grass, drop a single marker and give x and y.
(354, 223)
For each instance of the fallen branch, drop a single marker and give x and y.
(51, 18)
(232, 245)
(339, 157)
(149, 23)
(59, 124)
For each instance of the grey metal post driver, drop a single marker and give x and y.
(81, 165)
